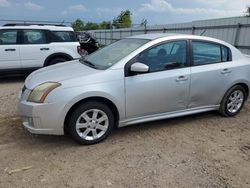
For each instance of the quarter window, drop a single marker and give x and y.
(225, 54)
(165, 56)
(64, 36)
(34, 37)
(8, 37)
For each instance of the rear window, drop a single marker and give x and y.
(64, 36)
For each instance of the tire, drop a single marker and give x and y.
(233, 101)
(91, 122)
(56, 60)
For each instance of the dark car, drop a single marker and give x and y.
(87, 41)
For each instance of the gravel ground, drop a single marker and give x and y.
(204, 150)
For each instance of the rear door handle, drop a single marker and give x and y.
(10, 50)
(42, 49)
(225, 71)
(181, 79)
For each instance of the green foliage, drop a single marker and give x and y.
(123, 20)
(91, 26)
(105, 25)
(248, 11)
(78, 25)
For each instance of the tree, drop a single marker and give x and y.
(248, 11)
(123, 20)
(91, 26)
(78, 25)
(105, 25)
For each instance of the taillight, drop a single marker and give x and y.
(79, 50)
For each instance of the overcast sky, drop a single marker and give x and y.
(155, 11)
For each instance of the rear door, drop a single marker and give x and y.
(210, 73)
(35, 48)
(9, 49)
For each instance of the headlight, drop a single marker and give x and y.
(39, 93)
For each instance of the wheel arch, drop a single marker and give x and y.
(243, 84)
(104, 100)
(57, 55)
(240, 83)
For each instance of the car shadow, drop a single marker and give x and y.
(10, 78)
(118, 134)
(168, 123)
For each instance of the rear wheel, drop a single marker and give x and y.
(56, 60)
(91, 122)
(233, 101)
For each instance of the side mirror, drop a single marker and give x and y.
(139, 68)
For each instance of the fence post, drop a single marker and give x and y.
(100, 36)
(105, 37)
(237, 35)
(193, 30)
(111, 41)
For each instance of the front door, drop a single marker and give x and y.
(165, 87)
(9, 49)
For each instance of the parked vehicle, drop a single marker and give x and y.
(26, 47)
(138, 79)
(88, 42)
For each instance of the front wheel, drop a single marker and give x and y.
(91, 122)
(233, 101)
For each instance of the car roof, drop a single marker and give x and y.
(46, 27)
(155, 36)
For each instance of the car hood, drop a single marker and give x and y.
(59, 73)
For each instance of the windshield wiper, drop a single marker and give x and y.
(90, 64)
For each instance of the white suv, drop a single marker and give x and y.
(28, 47)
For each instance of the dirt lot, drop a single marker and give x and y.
(204, 150)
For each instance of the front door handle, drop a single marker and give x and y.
(181, 79)
(10, 50)
(42, 49)
(225, 71)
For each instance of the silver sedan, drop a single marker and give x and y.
(138, 79)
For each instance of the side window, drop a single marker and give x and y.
(206, 53)
(225, 54)
(34, 37)
(170, 55)
(64, 36)
(8, 37)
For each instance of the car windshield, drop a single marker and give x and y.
(111, 54)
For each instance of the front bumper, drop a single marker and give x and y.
(41, 118)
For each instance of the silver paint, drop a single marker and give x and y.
(138, 98)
